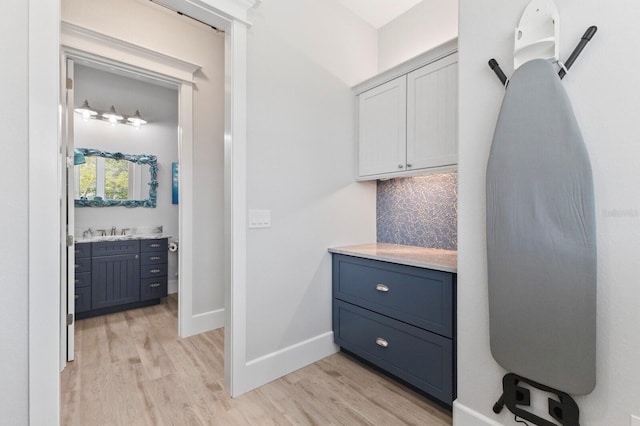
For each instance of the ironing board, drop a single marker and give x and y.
(541, 243)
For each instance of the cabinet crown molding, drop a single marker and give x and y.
(445, 49)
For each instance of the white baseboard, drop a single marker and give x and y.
(465, 416)
(272, 366)
(172, 287)
(206, 321)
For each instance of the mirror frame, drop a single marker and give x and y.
(143, 159)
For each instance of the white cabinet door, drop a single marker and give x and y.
(432, 111)
(382, 128)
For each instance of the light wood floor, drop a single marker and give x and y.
(131, 368)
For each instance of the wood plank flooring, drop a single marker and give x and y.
(131, 368)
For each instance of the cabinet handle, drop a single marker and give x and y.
(381, 287)
(154, 271)
(401, 166)
(154, 245)
(77, 296)
(381, 342)
(154, 258)
(408, 165)
(77, 266)
(77, 281)
(154, 285)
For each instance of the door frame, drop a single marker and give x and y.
(80, 45)
(44, 194)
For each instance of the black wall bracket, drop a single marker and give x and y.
(564, 409)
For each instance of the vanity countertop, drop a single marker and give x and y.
(120, 238)
(422, 257)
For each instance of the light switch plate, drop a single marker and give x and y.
(259, 218)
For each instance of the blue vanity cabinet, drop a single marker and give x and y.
(115, 273)
(399, 318)
(82, 277)
(114, 276)
(153, 269)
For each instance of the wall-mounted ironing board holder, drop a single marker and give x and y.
(514, 396)
(586, 38)
(537, 35)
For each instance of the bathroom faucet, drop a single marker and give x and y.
(88, 232)
(113, 230)
(124, 231)
(102, 232)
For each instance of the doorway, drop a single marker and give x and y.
(201, 302)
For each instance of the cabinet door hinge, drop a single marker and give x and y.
(69, 240)
(69, 84)
(69, 319)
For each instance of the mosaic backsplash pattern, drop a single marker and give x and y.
(419, 211)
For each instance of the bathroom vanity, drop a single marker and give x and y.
(112, 276)
(394, 307)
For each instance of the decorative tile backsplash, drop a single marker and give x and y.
(419, 211)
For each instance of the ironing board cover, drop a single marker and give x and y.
(541, 243)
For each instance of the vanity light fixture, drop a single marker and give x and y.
(86, 111)
(136, 120)
(112, 116)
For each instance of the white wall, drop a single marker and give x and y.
(424, 26)
(152, 26)
(603, 87)
(14, 216)
(303, 55)
(159, 137)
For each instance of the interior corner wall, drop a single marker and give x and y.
(603, 88)
(302, 58)
(423, 27)
(160, 29)
(14, 257)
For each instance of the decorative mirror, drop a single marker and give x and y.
(115, 179)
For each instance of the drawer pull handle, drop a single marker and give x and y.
(77, 281)
(154, 271)
(77, 296)
(382, 288)
(154, 285)
(381, 342)
(154, 245)
(154, 258)
(77, 266)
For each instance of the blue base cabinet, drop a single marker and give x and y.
(113, 276)
(399, 318)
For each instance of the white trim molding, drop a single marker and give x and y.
(284, 361)
(465, 416)
(44, 211)
(213, 12)
(107, 48)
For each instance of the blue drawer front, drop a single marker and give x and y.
(82, 250)
(421, 297)
(83, 265)
(417, 356)
(83, 279)
(153, 288)
(160, 244)
(110, 248)
(153, 271)
(153, 257)
(83, 299)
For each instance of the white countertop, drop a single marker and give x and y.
(422, 257)
(120, 238)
